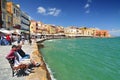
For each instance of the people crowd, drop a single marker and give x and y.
(8, 39)
(5, 39)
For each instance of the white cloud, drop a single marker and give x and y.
(87, 5)
(41, 10)
(57, 12)
(54, 11)
(50, 11)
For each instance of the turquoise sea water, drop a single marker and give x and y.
(83, 59)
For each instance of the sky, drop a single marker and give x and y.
(102, 14)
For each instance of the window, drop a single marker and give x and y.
(3, 15)
(14, 11)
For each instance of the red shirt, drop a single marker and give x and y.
(8, 38)
(11, 55)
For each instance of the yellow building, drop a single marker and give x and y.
(33, 27)
(59, 30)
(9, 9)
(39, 27)
(13, 15)
(87, 31)
(52, 29)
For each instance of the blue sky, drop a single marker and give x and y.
(103, 14)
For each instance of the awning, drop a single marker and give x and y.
(24, 31)
(5, 31)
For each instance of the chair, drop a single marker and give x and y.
(11, 62)
(17, 69)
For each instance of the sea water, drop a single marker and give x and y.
(83, 58)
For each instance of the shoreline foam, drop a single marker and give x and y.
(49, 71)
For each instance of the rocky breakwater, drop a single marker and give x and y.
(40, 73)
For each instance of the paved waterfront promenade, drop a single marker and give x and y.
(40, 73)
(5, 70)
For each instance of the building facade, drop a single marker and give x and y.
(25, 22)
(9, 15)
(71, 31)
(3, 13)
(102, 33)
(16, 16)
(33, 27)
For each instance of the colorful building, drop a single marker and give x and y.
(3, 13)
(60, 30)
(102, 33)
(9, 16)
(71, 31)
(33, 27)
(16, 16)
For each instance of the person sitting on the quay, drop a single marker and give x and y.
(24, 58)
(22, 53)
(17, 63)
(12, 60)
(11, 56)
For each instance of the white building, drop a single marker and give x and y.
(25, 21)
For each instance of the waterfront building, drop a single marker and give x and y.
(60, 30)
(16, 16)
(102, 33)
(13, 20)
(39, 24)
(42, 28)
(86, 31)
(93, 31)
(25, 22)
(1, 22)
(33, 27)
(3, 13)
(9, 16)
(71, 31)
(51, 29)
(39, 27)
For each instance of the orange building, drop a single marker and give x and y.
(9, 16)
(102, 33)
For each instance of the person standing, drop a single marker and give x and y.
(23, 39)
(8, 39)
(18, 39)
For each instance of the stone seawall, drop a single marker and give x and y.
(40, 73)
